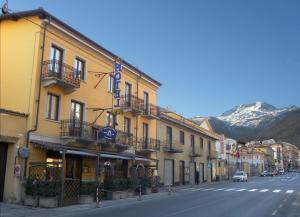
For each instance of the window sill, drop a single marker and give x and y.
(54, 121)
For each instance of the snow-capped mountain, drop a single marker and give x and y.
(258, 121)
(253, 115)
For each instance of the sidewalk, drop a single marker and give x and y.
(16, 210)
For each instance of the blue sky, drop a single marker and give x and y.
(209, 55)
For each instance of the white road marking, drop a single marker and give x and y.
(207, 189)
(252, 190)
(191, 189)
(275, 212)
(289, 191)
(230, 189)
(219, 189)
(264, 190)
(280, 206)
(243, 189)
(276, 191)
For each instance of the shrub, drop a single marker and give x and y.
(31, 187)
(132, 183)
(88, 187)
(117, 184)
(49, 188)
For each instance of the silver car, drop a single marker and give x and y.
(240, 176)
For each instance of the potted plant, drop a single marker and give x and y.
(87, 191)
(132, 184)
(115, 188)
(48, 192)
(155, 184)
(31, 192)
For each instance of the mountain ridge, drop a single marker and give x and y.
(258, 120)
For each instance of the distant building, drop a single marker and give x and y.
(290, 156)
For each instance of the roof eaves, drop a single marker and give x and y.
(40, 12)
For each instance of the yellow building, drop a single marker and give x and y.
(187, 153)
(59, 90)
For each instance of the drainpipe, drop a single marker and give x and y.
(137, 95)
(39, 95)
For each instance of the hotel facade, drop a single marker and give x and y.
(70, 110)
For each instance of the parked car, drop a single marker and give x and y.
(240, 176)
(265, 173)
(273, 173)
(281, 171)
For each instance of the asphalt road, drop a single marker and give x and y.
(259, 197)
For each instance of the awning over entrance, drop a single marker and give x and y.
(111, 155)
(91, 153)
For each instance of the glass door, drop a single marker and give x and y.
(56, 58)
(145, 135)
(128, 92)
(146, 102)
(76, 118)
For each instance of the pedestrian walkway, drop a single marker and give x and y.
(251, 190)
(16, 210)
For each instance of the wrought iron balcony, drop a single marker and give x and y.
(195, 152)
(148, 145)
(150, 111)
(131, 103)
(122, 140)
(172, 147)
(212, 155)
(79, 130)
(61, 74)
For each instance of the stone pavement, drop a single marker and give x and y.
(16, 210)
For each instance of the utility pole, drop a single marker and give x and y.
(228, 174)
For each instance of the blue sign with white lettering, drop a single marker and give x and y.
(108, 133)
(117, 80)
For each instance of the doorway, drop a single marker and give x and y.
(169, 172)
(3, 158)
(192, 173)
(181, 172)
(73, 167)
(201, 173)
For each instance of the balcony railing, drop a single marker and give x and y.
(122, 140)
(132, 103)
(135, 104)
(148, 145)
(61, 74)
(150, 111)
(212, 155)
(195, 152)
(172, 147)
(78, 129)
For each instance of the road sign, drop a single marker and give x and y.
(209, 165)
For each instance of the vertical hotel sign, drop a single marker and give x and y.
(117, 81)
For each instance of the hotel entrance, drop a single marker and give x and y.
(3, 157)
